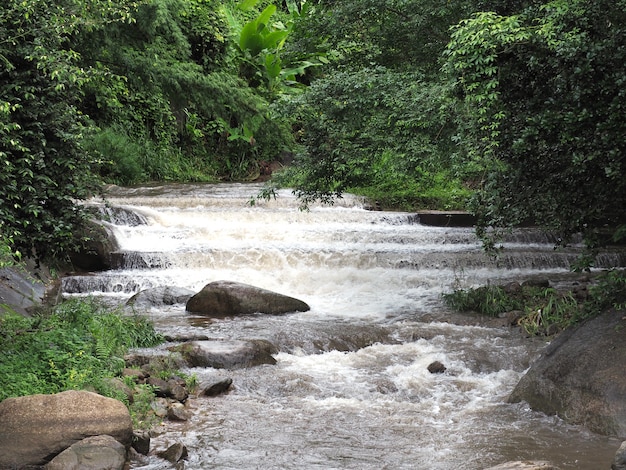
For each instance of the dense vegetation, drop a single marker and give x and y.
(542, 310)
(513, 109)
(79, 345)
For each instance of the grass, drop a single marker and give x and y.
(545, 311)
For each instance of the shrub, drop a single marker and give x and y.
(75, 346)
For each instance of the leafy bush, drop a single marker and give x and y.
(546, 311)
(543, 91)
(608, 292)
(76, 346)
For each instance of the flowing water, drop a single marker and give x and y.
(350, 389)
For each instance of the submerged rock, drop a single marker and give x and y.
(436, 368)
(580, 376)
(227, 354)
(217, 388)
(226, 298)
(158, 296)
(174, 453)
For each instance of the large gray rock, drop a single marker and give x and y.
(226, 298)
(580, 376)
(228, 354)
(35, 428)
(92, 453)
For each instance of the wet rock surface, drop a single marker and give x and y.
(159, 296)
(226, 298)
(227, 354)
(580, 376)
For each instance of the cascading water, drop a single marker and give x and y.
(350, 389)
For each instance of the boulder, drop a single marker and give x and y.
(217, 388)
(580, 376)
(226, 298)
(141, 442)
(168, 389)
(619, 462)
(21, 290)
(92, 453)
(158, 296)
(526, 465)
(35, 428)
(178, 412)
(174, 453)
(228, 354)
(96, 254)
(436, 368)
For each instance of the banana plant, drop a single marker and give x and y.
(261, 40)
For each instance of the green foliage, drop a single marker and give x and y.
(472, 52)
(608, 292)
(377, 119)
(550, 313)
(44, 168)
(546, 311)
(7, 256)
(141, 411)
(74, 347)
(261, 41)
(486, 300)
(545, 94)
(353, 34)
(379, 129)
(171, 89)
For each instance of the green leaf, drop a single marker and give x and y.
(275, 39)
(246, 5)
(265, 15)
(250, 39)
(273, 65)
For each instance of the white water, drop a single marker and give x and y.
(350, 389)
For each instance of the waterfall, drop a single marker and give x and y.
(350, 389)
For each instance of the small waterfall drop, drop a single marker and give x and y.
(350, 389)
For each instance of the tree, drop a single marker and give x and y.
(44, 169)
(173, 106)
(545, 100)
(378, 115)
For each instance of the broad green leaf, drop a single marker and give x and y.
(273, 65)
(246, 5)
(250, 39)
(275, 39)
(265, 15)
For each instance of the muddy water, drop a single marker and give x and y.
(350, 389)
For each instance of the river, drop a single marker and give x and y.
(350, 389)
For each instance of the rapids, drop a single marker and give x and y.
(350, 389)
